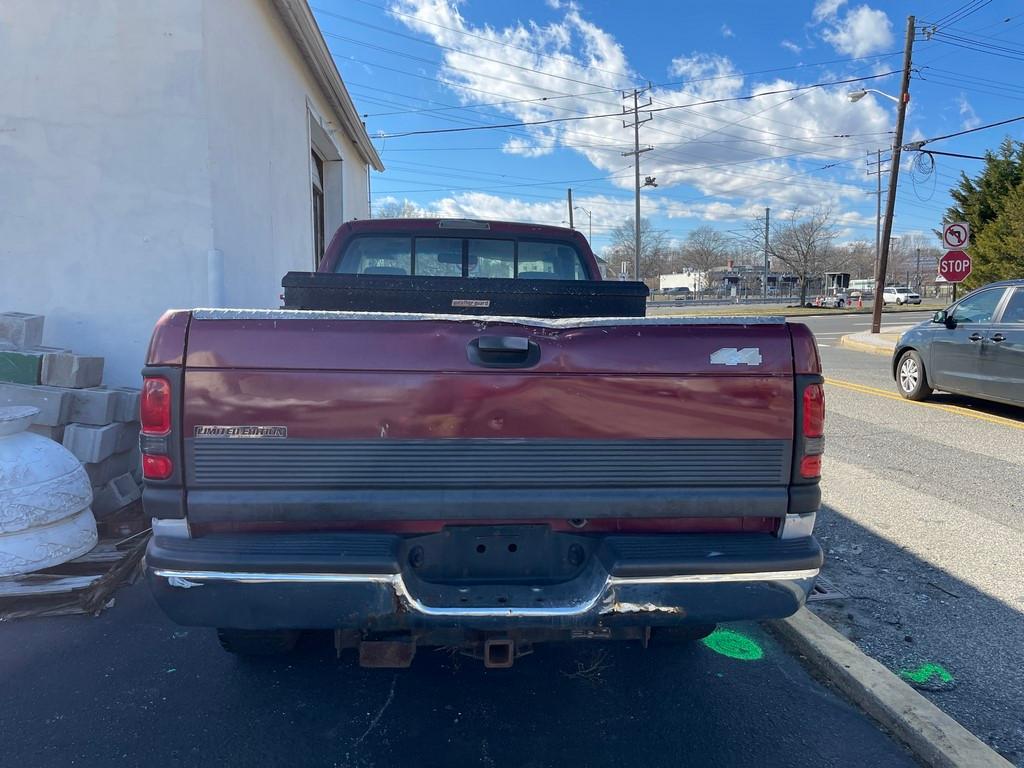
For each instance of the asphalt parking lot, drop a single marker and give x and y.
(130, 688)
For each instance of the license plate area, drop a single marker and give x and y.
(496, 554)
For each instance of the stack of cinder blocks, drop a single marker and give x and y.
(98, 424)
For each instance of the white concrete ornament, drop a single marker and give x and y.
(45, 495)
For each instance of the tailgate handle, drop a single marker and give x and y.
(503, 352)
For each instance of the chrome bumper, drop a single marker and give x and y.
(254, 600)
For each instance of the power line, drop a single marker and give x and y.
(961, 13)
(418, 20)
(546, 99)
(654, 109)
(918, 144)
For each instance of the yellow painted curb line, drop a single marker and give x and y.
(954, 409)
(860, 346)
(932, 735)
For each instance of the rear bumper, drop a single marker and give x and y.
(354, 581)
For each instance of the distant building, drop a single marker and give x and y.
(691, 280)
(166, 154)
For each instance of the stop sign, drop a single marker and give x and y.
(955, 266)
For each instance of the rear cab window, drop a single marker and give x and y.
(377, 256)
(525, 259)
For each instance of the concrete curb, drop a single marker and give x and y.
(851, 341)
(932, 735)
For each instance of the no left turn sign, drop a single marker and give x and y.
(956, 235)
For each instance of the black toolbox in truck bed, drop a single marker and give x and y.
(464, 296)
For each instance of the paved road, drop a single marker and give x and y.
(924, 530)
(130, 688)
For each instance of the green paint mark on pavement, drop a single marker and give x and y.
(733, 644)
(926, 672)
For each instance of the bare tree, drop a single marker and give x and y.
(655, 253)
(394, 209)
(907, 252)
(857, 258)
(805, 244)
(704, 249)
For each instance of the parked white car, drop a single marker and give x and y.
(899, 295)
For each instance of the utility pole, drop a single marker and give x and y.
(767, 219)
(570, 209)
(877, 173)
(635, 125)
(590, 222)
(894, 170)
(917, 272)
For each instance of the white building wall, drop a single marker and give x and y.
(104, 175)
(261, 98)
(691, 280)
(137, 139)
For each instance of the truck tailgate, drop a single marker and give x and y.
(292, 415)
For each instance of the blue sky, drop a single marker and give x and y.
(430, 65)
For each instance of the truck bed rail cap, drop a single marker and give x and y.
(564, 322)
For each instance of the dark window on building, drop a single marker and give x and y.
(317, 175)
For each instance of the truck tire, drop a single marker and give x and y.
(257, 642)
(681, 635)
(910, 376)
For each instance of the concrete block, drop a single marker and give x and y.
(21, 367)
(92, 443)
(127, 408)
(116, 494)
(52, 433)
(93, 406)
(102, 472)
(21, 329)
(54, 404)
(67, 370)
(128, 437)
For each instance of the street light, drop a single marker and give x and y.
(856, 96)
(590, 222)
(894, 169)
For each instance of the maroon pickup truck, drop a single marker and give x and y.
(491, 465)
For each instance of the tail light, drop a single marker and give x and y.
(155, 406)
(813, 441)
(155, 418)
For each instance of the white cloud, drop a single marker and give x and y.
(790, 46)
(727, 31)
(526, 148)
(714, 161)
(862, 31)
(826, 9)
(969, 118)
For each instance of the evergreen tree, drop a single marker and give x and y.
(979, 201)
(998, 252)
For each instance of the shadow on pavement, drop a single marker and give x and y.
(1013, 412)
(962, 647)
(130, 688)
